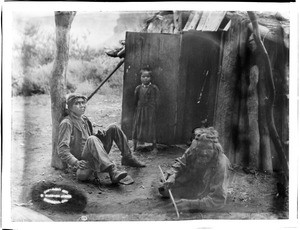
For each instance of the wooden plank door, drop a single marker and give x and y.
(161, 53)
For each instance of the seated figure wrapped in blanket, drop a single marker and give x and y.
(199, 179)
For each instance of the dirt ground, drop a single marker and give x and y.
(251, 196)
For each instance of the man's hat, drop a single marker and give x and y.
(70, 98)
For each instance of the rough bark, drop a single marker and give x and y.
(271, 93)
(252, 105)
(63, 21)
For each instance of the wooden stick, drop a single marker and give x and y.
(170, 193)
(102, 83)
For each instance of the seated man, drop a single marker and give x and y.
(199, 179)
(88, 153)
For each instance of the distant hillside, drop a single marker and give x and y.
(94, 29)
(127, 21)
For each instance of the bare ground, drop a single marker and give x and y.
(251, 196)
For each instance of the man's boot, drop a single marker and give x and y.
(116, 175)
(130, 160)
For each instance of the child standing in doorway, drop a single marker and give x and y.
(146, 101)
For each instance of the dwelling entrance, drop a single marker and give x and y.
(185, 68)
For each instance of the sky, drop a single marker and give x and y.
(97, 27)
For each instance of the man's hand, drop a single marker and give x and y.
(169, 182)
(100, 130)
(82, 164)
(101, 133)
(165, 186)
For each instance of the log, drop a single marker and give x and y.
(204, 18)
(242, 152)
(187, 25)
(271, 94)
(286, 35)
(161, 24)
(265, 146)
(167, 24)
(234, 129)
(211, 20)
(224, 117)
(266, 33)
(154, 26)
(177, 16)
(285, 112)
(63, 21)
(264, 155)
(193, 23)
(252, 105)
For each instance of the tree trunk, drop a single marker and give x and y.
(271, 93)
(63, 21)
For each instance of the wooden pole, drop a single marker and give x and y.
(170, 193)
(105, 80)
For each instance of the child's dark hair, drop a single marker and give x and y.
(146, 69)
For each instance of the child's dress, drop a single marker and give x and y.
(144, 122)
